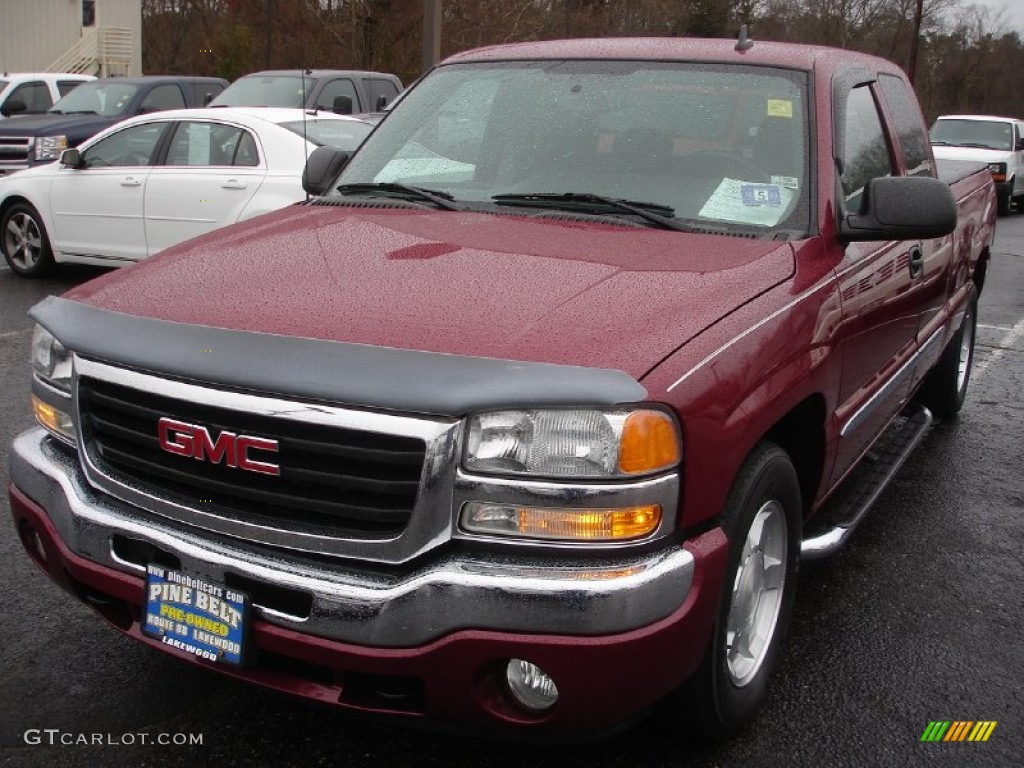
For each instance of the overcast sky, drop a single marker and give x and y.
(1012, 10)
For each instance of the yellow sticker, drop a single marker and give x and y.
(779, 108)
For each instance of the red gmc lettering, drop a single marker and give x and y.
(245, 444)
(233, 450)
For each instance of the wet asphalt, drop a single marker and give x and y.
(918, 619)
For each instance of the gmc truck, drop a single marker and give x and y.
(88, 109)
(525, 433)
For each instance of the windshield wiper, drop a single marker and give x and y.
(975, 145)
(588, 201)
(81, 112)
(392, 189)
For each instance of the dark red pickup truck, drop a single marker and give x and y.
(525, 421)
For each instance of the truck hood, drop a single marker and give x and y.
(81, 126)
(501, 286)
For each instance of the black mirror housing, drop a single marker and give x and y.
(342, 105)
(322, 168)
(902, 208)
(13, 107)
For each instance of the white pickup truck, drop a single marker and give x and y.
(32, 93)
(998, 142)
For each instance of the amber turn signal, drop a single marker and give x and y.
(562, 524)
(649, 443)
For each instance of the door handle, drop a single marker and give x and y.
(916, 262)
(234, 184)
(130, 181)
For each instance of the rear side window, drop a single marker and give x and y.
(377, 88)
(866, 152)
(163, 97)
(208, 144)
(909, 125)
(204, 93)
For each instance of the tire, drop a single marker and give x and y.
(945, 387)
(1003, 204)
(24, 241)
(763, 520)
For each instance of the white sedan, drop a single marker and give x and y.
(155, 180)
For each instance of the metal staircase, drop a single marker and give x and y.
(101, 51)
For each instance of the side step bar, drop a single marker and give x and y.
(833, 525)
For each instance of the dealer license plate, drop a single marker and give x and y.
(195, 616)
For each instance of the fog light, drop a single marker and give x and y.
(530, 685)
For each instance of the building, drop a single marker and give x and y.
(96, 37)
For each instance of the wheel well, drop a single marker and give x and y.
(801, 434)
(11, 201)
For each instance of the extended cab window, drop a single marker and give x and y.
(909, 125)
(866, 153)
(206, 144)
(131, 147)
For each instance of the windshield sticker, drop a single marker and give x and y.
(744, 202)
(779, 108)
(761, 194)
(789, 182)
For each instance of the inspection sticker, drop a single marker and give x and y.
(195, 616)
(779, 108)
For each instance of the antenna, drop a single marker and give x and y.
(745, 42)
(305, 142)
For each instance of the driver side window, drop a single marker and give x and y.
(866, 155)
(133, 146)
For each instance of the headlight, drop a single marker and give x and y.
(50, 147)
(591, 444)
(50, 360)
(998, 171)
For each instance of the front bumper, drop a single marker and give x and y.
(427, 642)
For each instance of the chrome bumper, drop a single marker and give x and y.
(350, 603)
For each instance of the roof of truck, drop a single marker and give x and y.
(764, 53)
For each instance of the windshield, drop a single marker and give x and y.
(266, 91)
(107, 99)
(721, 146)
(343, 134)
(985, 134)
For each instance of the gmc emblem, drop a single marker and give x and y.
(195, 441)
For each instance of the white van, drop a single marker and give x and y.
(32, 93)
(998, 142)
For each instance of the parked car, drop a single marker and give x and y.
(998, 142)
(31, 93)
(152, 181)
(335, 90)
(90, 108)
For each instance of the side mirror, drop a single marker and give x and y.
(342, 105)
(13, 107)
(1020, 145)
(72, 158)
(382, 101)
(902, 208)
(322, 168)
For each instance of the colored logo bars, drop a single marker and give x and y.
(958, 730)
